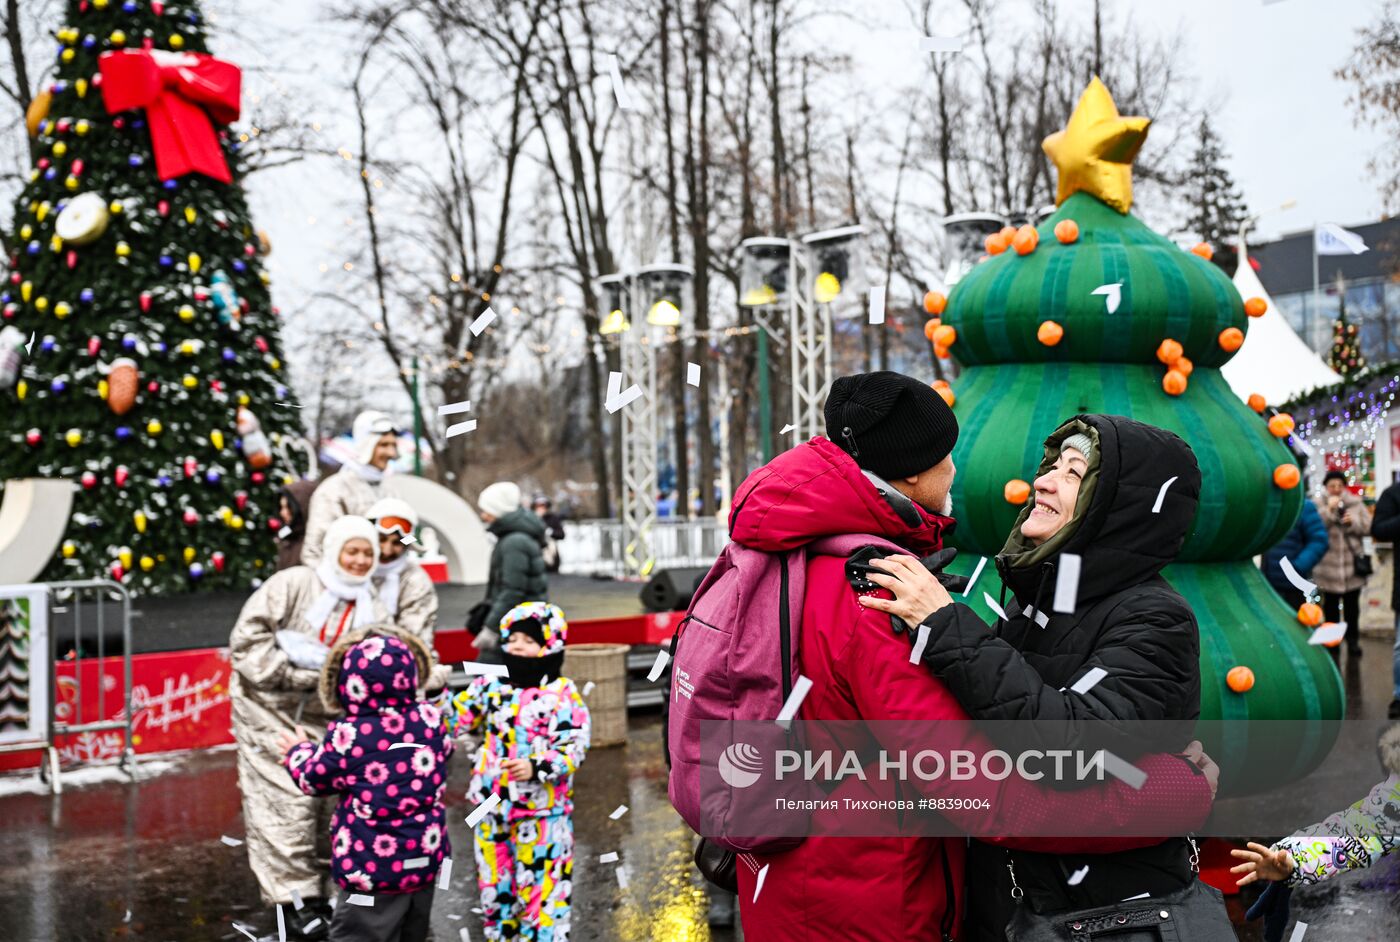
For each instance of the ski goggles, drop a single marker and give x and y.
(387, 525)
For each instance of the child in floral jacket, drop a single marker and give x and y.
(536, 733)
(388, 760)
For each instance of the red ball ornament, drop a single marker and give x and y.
(15, 276)
(94, 344)
(33, 436)
(89, 480)
(201, 294)
(218, 560)
(258, 478)
(152, 386)
(157, 7)
(240, 498)
(119, 122)
(117, 571)
(145, 299)
(191, 517)
(191, 469)
(261, 343)
(249, 250)
(71, 258)
(121, 475)
(43, 163)
(77, 168)
(163, 207)
(63, 125)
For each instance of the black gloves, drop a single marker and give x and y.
(1273, 906)
(858, 566)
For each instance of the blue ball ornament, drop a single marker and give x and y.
(211, 476)
(89, 41)
(51, 173)
(128, 342)
(33, 247)
(58, 385)
(196, 571)
(135, 160)
(86, 295)
(160, 346)
(58, 88)
(281, 392)
(47, 345)
(239, 265)
(166, 261)
(129, 6)
(164, 480)
(229, 355)
(171, 184)
(123, 432)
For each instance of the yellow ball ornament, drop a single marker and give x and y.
(71, 183)
(177, 41)
(115, 206)
(25, 231)
(99, 4)
(69, 549)
(189, 554)
(189, 381)
(21, 389)
(81, 87)
(118, 37)
(26, 290)
(236, 523)
(138, 519)
(154, 427)
(67, 55)
(195, 263)
(123, 250)
(41, 304)
(103, 389)
(124, 557)
(147, 564)
(188, 348)
(59, 148)
(73, 437)
(62, 309)
(42, 210)
(190, 214)
(243, 399)
(186, 313)
(82, 127)
(216, 438)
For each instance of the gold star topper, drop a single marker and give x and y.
(1095, 151)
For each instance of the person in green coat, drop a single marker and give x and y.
(517, 572)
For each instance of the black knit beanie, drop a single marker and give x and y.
(530, 627)
(892, 425)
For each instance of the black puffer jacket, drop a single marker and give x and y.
(517, 564)
(1127, 621)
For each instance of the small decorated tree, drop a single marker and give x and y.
(155, 356)
(1345, 354)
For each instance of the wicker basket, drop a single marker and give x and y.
(606, 666)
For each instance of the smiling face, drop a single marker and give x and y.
(1056, 493)
(357, 557)
(385, 451)
(391, 547)
(1335, 487)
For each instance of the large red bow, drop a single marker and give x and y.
(181, 92)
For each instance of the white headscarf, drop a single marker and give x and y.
(368, 428)
(341, 586)
(387, 573)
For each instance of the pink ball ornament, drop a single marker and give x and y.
(240, 499)
(89, 480)
(258, 478)
(218, 560)
(191, 469)
(145, 299)
(117, 572)
(121, 475)
(191, 517)
(94, 345)
(33, 436)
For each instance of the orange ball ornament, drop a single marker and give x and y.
(1240, 679)
(1310, 614)
(946, 392)
(1183, 366)
(1025, 240)
(1257, 402)
(1281, 425)
(944, 335)
(995, 245)
(1174, 383)
(1067, 231)
(1204, 250)
(1231, 339)
(935, 302)
(1286, 476)
(931, 325)
(1008, 233)
(1169, 351)
(940, 384)
(1016, 491)
(1334, 642)
(1255, 307)
(1050, 333)
(941, 351)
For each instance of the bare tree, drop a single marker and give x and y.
(1373, 70)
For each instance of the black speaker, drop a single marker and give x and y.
(670, 590)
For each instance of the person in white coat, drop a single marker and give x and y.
(360, 482)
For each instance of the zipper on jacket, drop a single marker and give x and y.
(784, 628)
(950, 911)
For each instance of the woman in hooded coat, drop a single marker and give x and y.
(1120, 496)
(360, 482)
(295, 500)
(277, 650)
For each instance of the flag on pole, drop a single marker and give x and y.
(1331, 239)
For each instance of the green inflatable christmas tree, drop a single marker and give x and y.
(1094, 312)
(152, 380)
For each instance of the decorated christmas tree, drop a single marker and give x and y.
(155, 355)
(1095, 312)
(1345, 354)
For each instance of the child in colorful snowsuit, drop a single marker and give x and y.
(536, 733)
(388, 760)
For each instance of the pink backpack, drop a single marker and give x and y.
(735, 659)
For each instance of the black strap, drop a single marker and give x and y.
(785, 629)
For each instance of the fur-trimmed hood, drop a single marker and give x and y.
(1388, 748)
(330, 671)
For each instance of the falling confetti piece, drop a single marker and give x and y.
(877, 304)
(622, 877)
(1113, 295)
(1085, 683)
(283, 533)
(406, 745)
(461, 428)
(787, 428)
(360, 899)
(1039, 617)
(794, 700)
(409, 540)
(297, 903)
(619, 812)
(1328, 634)
(1124, 770)
(975, 573)
(1298, 930)
(1162, 495)
(614, 386)
(127, 917)
(917, 655)
(415, 863)
(932, 44)
(453, 408)
(281, 925)
(29, 345)
(588, 688)
(624, 98)
(481, 322)
(624, 398)
(444, 873)
(1067, 583)
(661, 660)
(485, 670)
(1299, 583)
(609, 857)
(692, 374)
(992, 604)
(231, 841)
(247, 933)
(758, 883)
(289, 405)
(475, 817)
(1139, 896)
(313, 924)
(464, 935)
(1077, 877)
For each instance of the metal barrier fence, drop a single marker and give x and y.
(77, 692)
(595, 547)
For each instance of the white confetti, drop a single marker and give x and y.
(877, 304)
(360, 899)
(692, 374)
(313, 923)
(588, 688)
(463, 935)
(1291, 574)
(794, 700)
(975, 573)
(758, 883)
(281, 925)
(1113, 295)
(617, 396)
(482, 321)
(283, 533)
(488, 670)
(1067, 583)
(453, 408)
(1077, 877)
(1039, 617)
(1085, 683)
(127, 917)
(1328, 634)
(461, 428)
(246, 932)
(1368, 546)
(297, 903)
(624, 98)
(935, 44)
(614, 386)
(415, 863)
(475, 817)
(1139, 896)
(444, 873)
(917, 654)
(231, 841)
(661, 660)
(409, 540)
(787, 428)
(1298, 929)
(992, 604)
(622, 876)
(1162, 494)
(609, 857)
(618, 812)
(1124, 770)
(30, 344)
(406, 745)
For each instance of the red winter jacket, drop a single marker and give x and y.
(895, 887)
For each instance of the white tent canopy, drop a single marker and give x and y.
(1274, 361)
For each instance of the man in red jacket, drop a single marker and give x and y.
(884, 470)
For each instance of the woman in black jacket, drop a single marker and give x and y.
(1101, 495)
